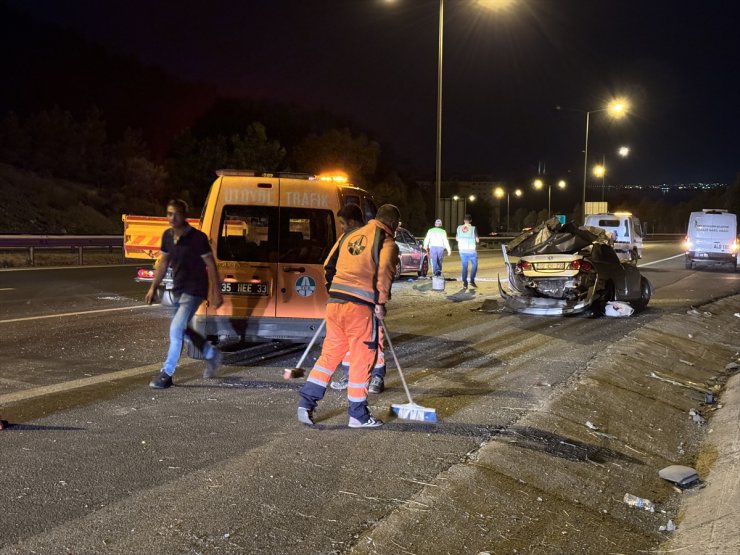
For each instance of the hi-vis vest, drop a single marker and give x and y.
(466, 238)
(362, 263)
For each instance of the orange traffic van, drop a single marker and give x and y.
(270, 235)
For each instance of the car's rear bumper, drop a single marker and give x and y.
(701, 256)
(223, 329)
(543, 306)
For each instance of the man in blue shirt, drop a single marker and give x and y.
(195, 279)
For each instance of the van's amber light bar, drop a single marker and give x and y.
(334, 178)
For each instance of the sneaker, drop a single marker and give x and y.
(212, 364)
(376, 385)
(341, 383)
(372, 422)
(161, 381)
(305, 416)
(472, 283)
(465, 284)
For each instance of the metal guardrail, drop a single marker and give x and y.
(78, 242)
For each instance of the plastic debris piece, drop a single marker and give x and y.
(616, 309)
(709, 399)
(669, 527)
(639, 502)
(591, 426)
(696, 417)
(732, 366)
(693, 312)
(679, 474)
(686, 362)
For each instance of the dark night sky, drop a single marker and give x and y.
(376, 61)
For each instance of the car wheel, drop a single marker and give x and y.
(646, 291)
(194, 352)
(397, 275)
(607, 294)
(633, 257)
(689, 264)
(424, 267)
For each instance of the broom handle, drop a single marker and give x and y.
(395, 359)
(313, 340)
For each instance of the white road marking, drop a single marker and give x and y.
(12, 320)
(83, 267)
(7, 288)
(84, 382)
(661, 260)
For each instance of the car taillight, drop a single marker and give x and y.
(522, 266)
(144, 273)
(582, 265)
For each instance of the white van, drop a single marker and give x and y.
(712, 237)
(626, 230)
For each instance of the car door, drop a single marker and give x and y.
(405, 251)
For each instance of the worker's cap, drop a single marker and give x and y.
(438, 222)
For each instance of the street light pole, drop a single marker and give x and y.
(603, 176)
(438, 175)
(585, 169)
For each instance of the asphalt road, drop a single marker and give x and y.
(97, 461)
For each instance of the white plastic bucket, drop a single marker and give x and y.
(438, 283)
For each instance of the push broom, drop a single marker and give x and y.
(297, 372)
(410, 410)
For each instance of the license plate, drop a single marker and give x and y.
(550, 266)
(259, 289)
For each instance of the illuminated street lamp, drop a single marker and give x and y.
(499, 193)
(600, 169)
(539, 184)
(617, 109)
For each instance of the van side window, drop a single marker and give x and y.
(368, 208)
(247, 233)
(306, 235)
(608, 223)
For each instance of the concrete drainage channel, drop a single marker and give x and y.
(640, 406)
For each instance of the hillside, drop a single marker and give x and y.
(33, 204)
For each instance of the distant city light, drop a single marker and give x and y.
(623, 151)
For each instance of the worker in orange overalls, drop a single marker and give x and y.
(359, 274)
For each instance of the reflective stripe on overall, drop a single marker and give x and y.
(349, 327)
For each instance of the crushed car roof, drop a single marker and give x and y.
(552, 237)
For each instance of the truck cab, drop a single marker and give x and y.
(626, 230)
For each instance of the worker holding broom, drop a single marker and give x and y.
(350, 218)
(359, 274)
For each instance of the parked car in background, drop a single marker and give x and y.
(411, 255)
(564, 269)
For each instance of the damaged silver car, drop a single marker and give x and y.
(565, 269)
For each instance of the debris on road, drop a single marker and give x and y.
(639, 502)
(680, 475)
(698, 418)
(669, 527)
(687, 384)
(732, 366)
(590, 425)
(616, 309)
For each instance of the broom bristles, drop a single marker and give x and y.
(412, 411)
